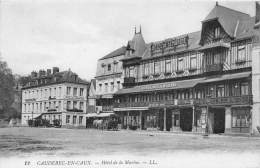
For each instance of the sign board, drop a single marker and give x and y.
(159, 86)
(170, 43)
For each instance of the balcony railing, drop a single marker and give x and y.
(74, 110)
(214, 67)
(233, 100)
(107, 108)
(129, 80)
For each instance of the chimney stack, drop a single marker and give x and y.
(55, 70)
(34, 74)
(48, 72)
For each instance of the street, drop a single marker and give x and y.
(73, 142)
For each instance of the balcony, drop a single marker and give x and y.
(232, 100)
(129, 81)
(214, 67)
(74, 110)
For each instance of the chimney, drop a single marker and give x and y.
(55, 70)
(257, 15)
(34, 74)
(48, 72)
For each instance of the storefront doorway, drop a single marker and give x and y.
(219, 120)
(186, 119)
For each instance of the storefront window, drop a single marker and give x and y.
(80, 120)
(151, 121)
(240, 117)
(74, 119)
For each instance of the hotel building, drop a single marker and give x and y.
(55, 96)
(204, 81)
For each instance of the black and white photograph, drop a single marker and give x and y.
(129, 84)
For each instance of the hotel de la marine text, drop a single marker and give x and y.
(207, 80)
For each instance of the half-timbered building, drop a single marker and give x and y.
(201, 81)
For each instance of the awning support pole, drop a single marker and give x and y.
(164, 120)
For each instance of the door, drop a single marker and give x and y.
(186, 119)
(219, 120)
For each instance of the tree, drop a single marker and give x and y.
(7, 85)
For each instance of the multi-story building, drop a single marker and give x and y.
(55, 96)
(201, 81)
(108, 80)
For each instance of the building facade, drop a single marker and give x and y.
(53, 96)
(205, 81)
(108, 80)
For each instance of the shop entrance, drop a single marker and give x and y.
(168, 120)
(219, 120)
(186, 119)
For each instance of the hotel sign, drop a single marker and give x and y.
(170, 43)
(158, 86)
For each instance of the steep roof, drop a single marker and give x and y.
(228, 18)
(117, 52)
(138, 44)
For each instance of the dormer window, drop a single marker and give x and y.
(217, 32)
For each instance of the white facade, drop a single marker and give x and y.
(54, 102)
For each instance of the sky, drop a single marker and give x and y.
(41, 34)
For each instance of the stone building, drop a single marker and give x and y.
(55, 96)
(204, 81)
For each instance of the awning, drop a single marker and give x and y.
(215, 45)
(161, 86)
(226, 77)
(37, 115)
(131, 109)
(99, 114)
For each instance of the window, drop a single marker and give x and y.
(68, 90)
(50, 92)
(81, 104)
(146, 69)
(168, 66)
(44, 107)
(100, 87)
(109, 67)
(81, 90)
(68, 104)
(80, 120)
(241, 53)
(217, 32)
(112, 86)
(74, 119)
(131, 71)
(244, 88)
(75, 91)
(115, 67)
(193, 64)
(59, 107)
(54, 94)
(59, 91)
(67, 119)
(180, 64)
(118, 84)
(240, 117)
(74, 104)
(220, 91)
(156, 67)
(106, 87)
